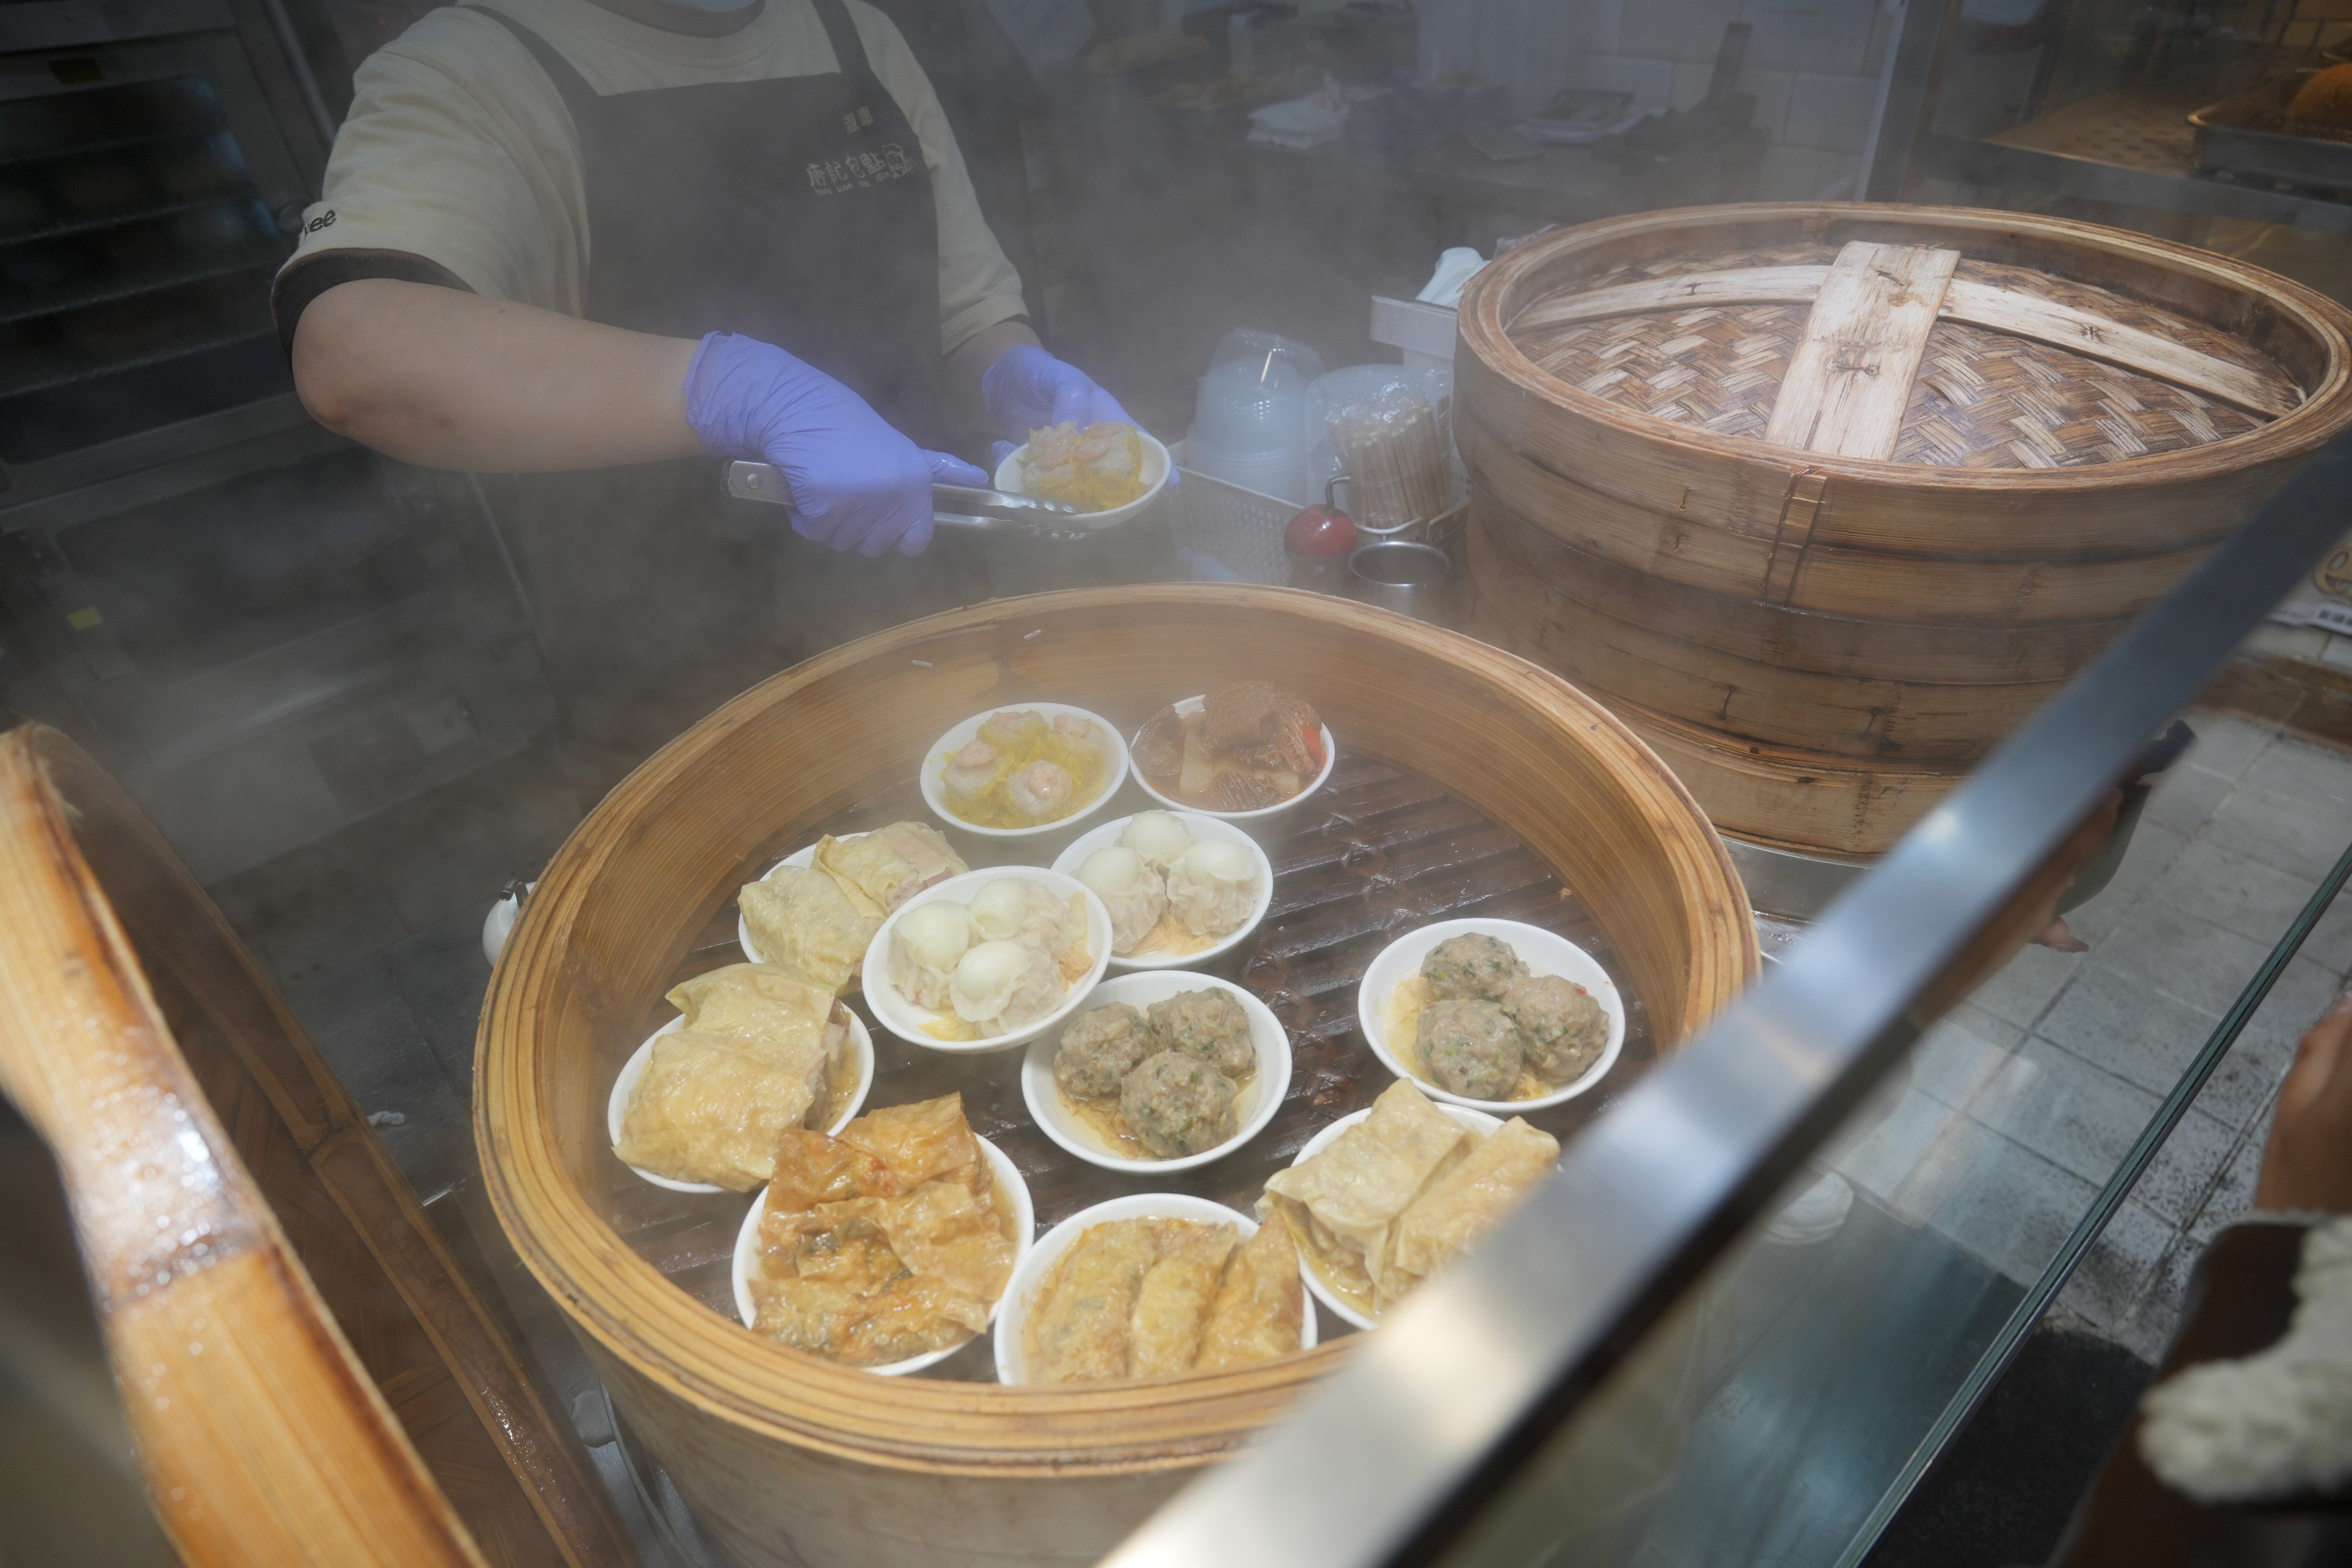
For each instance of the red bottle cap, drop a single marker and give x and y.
(1319, 530)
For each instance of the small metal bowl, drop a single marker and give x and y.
(1411, 579)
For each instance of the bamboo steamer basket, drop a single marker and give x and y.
(1823, 499)
(791, 1459)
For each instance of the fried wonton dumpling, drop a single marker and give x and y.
(943, 1230)
(1342, 1204)
(1077, 1330)
(1171, 1304)
(1261, 1305)
(918, 1142)
(883, 869)
(909, 1316)
(709, 1109)
(812, 1169)
(1465, 1204)
(803, 923)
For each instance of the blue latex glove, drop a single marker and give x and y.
(857, 483)
(1028, 388)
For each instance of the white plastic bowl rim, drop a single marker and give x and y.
(906, 1020)
(616, 1105)
(1032, 1271)
(1200, 826)
(1544, 951)
(1260, 1097)
(1477, 1121)
(1025, 1225)
(1157, 468)
(935, 762)
(1194, 705)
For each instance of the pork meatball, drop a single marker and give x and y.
(1471, 1048)
(1207, 1023)
(1473, 965)
(1176, 1104)
(1100, 1048)
(1564, 1025)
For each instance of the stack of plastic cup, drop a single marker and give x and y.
(1249, 426)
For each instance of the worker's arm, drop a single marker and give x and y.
(451, 380)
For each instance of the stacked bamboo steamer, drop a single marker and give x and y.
(1823, 500)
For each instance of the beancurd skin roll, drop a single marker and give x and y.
(1077, 1330)
(918, 1142)
(1172, 1305)
(803, 923)
(883, 869)
(1261, 1305)
(1465, 1204)
(709, 1109)
(1342, 1204)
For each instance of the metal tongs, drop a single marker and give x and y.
(953, 505)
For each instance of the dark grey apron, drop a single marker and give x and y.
(796, 210)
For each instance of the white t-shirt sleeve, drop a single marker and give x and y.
(978, 285)
(459, 149)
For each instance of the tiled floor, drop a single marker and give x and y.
(2023, 1103)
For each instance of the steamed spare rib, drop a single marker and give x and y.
(1252, 745)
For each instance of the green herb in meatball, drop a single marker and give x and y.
(1471, 1048)
(1564, 1025)
(1475, 965)
(1100, 1048)
(1208, 1024)
(1176, 1104)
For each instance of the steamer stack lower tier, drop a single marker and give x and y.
(1824, 500)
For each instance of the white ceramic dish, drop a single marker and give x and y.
(1156, 466)
(804, 857)
(1263, 812)
(935, 762)
(1259, 1099)
(1018, 1295)
(1477, 1121)
(1199, 826)
(905, 1019)
(1540, 951)
(1025, 1233)
(861, 1051)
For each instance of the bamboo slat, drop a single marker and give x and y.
(238, 1217)
(781, 1452)
(1849, 380)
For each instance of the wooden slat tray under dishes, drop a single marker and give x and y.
(789, 1458)
(2247, 135)
(1826, 491)
(1376, 854)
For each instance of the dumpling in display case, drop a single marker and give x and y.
(1005, 984)
(1152, 1297)
(925, 948)
(1130, 889)
(1160, 836)
(1260, 1304)
(1078, 1332)
(795, 1021)
(1464, 1204)
(709, 1109)
(802, 921)
(1172, 1303)
(1212, 890)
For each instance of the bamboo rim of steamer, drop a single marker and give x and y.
(1508, 285)
(1520, 745)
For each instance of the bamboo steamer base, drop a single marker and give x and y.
(793, 1460)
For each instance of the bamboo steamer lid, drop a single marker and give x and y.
(1842, 492)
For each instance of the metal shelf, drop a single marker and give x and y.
(2126, 149)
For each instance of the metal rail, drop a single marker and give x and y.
(1395, 1457)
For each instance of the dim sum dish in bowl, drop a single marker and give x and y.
(815, 911)
(1113, 470)
(1019, 772)
(1181, 888)
(886, 1245)
(1244, 752)
(1148, 1285)
(1381, 1200)
(698, 1106)
(1161, 1070)
(987, 960)
(1492, 1013)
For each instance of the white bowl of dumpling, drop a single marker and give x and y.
(1181, 888)
(964, 772)
(1001, 956)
